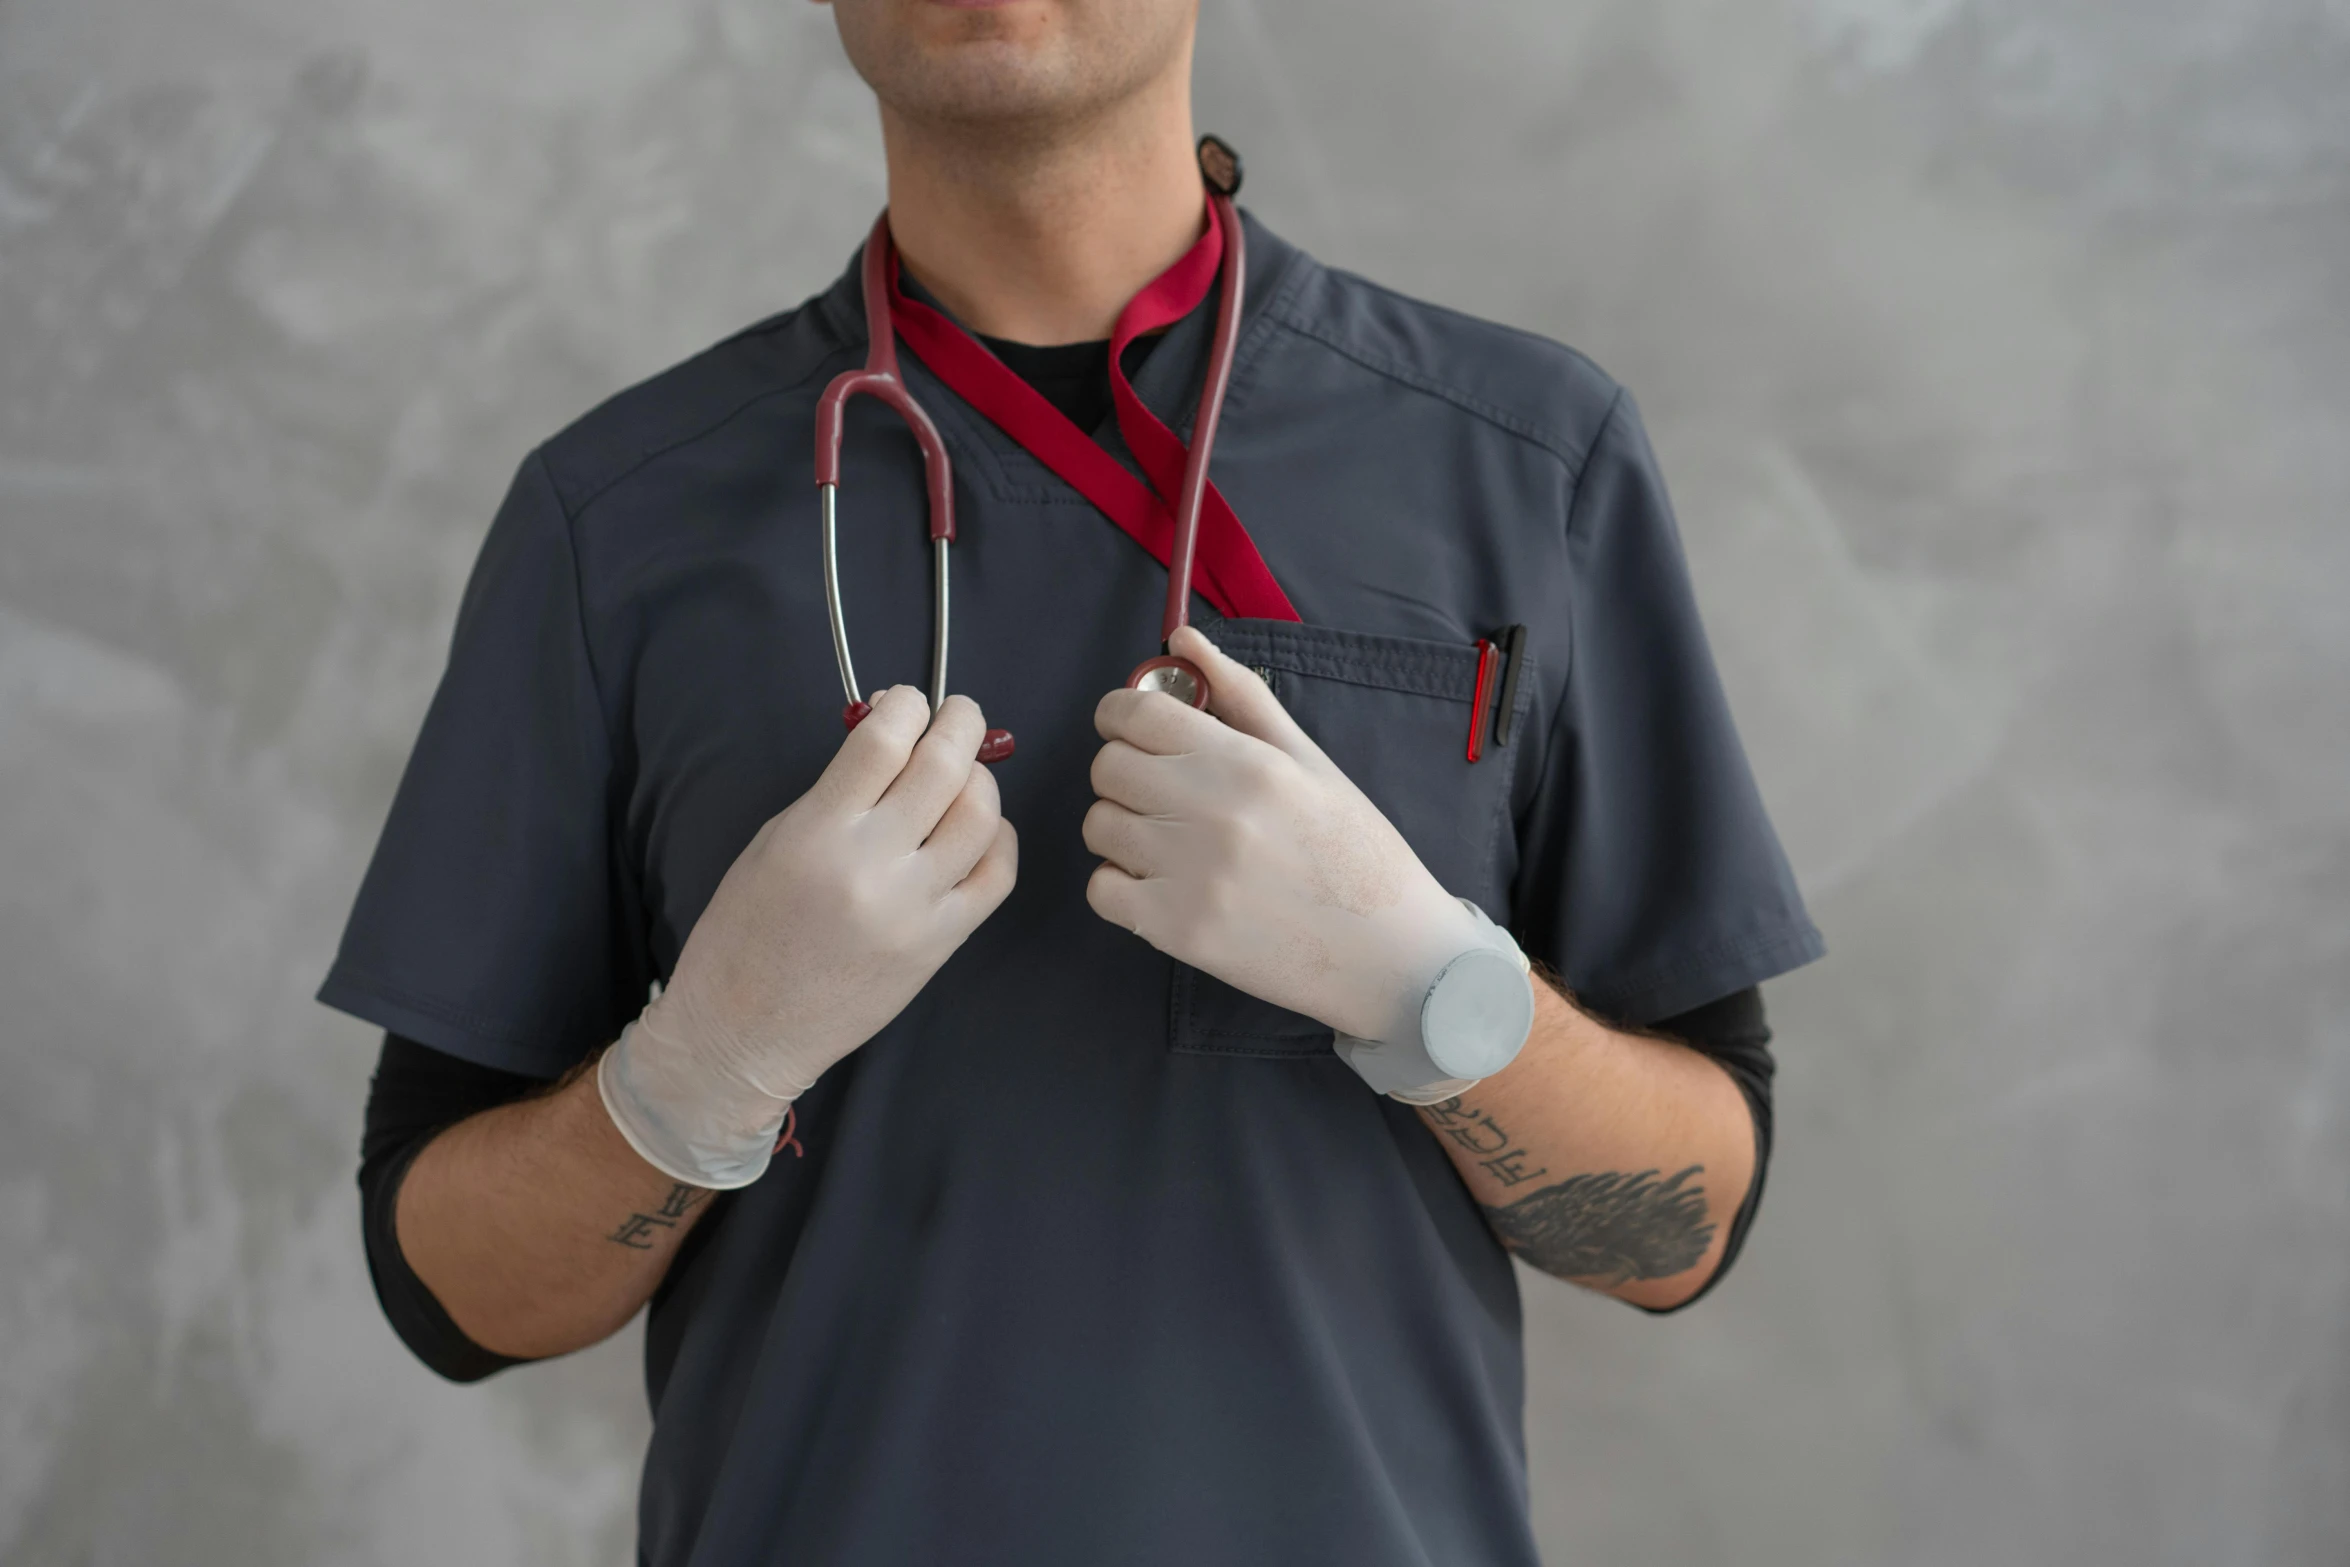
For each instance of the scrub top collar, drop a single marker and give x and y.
(1168, 381)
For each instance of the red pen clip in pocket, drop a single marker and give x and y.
(1502, 657)
(1487, 655)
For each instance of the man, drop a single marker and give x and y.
(1053, 1227)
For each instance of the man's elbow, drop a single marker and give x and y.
(1660, 1297)
(1650, 1294)
(426, 1328)
(1646, 1237)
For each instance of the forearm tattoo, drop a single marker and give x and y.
(1482, 1135)
(1602, 1228)
(643, 1231)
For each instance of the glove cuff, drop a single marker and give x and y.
(660, 1120)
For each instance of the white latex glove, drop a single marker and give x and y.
(1239, 848)
(838, 912)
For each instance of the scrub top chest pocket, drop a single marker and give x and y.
(1394, 714)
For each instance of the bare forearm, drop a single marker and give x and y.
(537, 1227)
(1610, 1159)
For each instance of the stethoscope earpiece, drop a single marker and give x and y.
(1219, 165)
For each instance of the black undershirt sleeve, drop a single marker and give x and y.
(1734, 1034)
(419, 1092)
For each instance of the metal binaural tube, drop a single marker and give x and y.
(880, 379)
(938, 624)
(832, 604)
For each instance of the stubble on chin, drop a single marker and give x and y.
(994, 72)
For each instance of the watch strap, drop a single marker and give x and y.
(1404, 1068)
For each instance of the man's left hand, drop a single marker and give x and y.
(1233, 844)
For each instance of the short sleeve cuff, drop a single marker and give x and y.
(1685, 984)
(450, 1030)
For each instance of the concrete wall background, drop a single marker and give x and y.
(1999, 351)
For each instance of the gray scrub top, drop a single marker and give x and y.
(1088, 1257)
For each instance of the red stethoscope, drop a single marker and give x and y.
(1177, 677)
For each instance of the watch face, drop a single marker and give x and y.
(1477, 1013)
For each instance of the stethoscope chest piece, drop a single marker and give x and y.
(1179, 678)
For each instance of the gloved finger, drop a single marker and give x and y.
(1238, 697)
(937, 770)
(1155, 722)
(876, 751)
(1136, 779)
(1117, 897)
(964, 833)
(1138, 845)
(979, 894)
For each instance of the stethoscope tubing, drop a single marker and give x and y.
(880, 378)
(1177, 676)
(832, 603)
(1191, 498)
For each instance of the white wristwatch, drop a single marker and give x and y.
(1473, 1021)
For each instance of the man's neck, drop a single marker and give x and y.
(1042, 237)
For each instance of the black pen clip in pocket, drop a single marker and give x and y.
(1393, 713)
(1493, 709)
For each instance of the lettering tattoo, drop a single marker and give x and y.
(1602, 1229)
(1610, 1229)
(1483, 1136)
(1510, 1168)
(642, 1231)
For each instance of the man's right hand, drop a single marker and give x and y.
(825, 927)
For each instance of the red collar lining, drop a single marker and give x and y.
(1230, 573)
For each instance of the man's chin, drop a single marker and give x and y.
(981, 84)
(1025, 63)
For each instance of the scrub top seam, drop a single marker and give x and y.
(1479, 323)
(1256, 339)
(1405, 674)
(965, 430)
(1607, 425)
(619, 766)
(1041, 495)
(587, 647)
(1555, 444)
(1572, 626)
(576, 510)
(774, 323)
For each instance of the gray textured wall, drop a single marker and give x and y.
(2000, 353)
